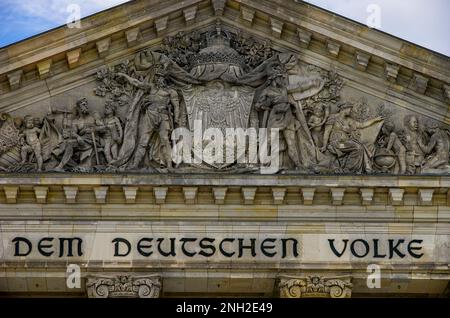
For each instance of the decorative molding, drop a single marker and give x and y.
(366, 195)
(249, 194)
(337, 195)
(391, 72)
(333, 48)
(70, 193)
(161, 24)
(190, 194)
(103, 46)
(247, 15)
(130, 193)
(15, 78)
(362, 60)
(44, 67)
(41, 194)
(426, 196)
(73, 57)
(190, 15)
(11, 193)
(124, 286)
(219, 6)
(276, 27)
(100, 194)
(446, 91)
(396, 195)
(160, 194)
(278, 195)
(308, 195)
(418, 83)
(315, 286)
(304, 37)
(133, 36)
(220, 194)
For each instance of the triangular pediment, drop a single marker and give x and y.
(398, 92)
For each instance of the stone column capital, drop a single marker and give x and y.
(124, 286)
(315, 286)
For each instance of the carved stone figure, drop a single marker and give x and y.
(413, 140)
(437, 148)
(161, 106)
(316, 122)
(278, 113)
(31, 145)
(113, 133)
(81, 136)
(393, 143)
(222, 80)
(344, 139)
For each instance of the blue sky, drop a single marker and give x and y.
(424, 22)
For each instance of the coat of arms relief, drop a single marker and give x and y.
(217, 101)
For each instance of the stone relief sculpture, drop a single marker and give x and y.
(124, 286)
(351, 142)
(223, 81)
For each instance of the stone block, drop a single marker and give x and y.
(220, 194)
(100, 194)
(73, 57)
(278, 195)
(248, 194)
(396, 195)
(190, 14)
(130, 193)
(190, 194)
(41, 194)
(160, 194)
(11, 193)
(276, 27)
(15, 78)
(103, 46)
(308, 195)
(44, 68)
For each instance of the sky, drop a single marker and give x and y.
(424, 22)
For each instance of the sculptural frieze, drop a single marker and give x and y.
(213, 84)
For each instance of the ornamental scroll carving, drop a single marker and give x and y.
(315, 287)
(124, 286)
(218, 81)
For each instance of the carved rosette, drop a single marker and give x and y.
(124, 286)
(315, 287)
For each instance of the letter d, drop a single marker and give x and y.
(117, 242)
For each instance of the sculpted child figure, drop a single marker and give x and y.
(113, 134)
(32, 145)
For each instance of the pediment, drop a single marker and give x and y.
(342, 103)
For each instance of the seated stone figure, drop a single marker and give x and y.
(80, 137)
(437, 148)
(342, 138)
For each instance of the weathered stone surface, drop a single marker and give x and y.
(73, 57)
(124, 286)
(315, 286)
(44, 68)
(369, 156)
